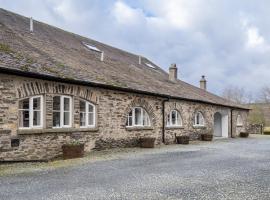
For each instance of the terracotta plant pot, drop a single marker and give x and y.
(147, 142)
(244, 134)
(73, 151)
(207, 137)
(183, 139)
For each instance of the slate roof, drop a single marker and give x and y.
(52, 52)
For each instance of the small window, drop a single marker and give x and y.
(87, 114)
(174, 119)
(31, 112)
(150, 65)
(61, 111)
(239, 120)
(198, 119)
(138, 117)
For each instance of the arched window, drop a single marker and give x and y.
(31, 112)
(87, 114)
(138, 117)
(198, 119)
(239, 120)
(62, 109)
(174, 119)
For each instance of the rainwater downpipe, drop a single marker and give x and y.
(163, 120)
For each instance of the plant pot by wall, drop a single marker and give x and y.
(148, 142)
(183, 139)
(206, 137)
(73, 151)
(244, 134)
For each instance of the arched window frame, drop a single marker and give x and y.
(86, 114)
(31, 112)
(239, 120)
(142, 121)
(198, 119)
(178, 119)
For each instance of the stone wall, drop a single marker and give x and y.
(110, 131)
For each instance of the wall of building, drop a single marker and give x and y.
(110, 131)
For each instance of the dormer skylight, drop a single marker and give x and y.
(150, 65)
(91, 47)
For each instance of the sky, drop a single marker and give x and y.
(228, 41)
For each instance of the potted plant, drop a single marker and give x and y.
(147, 142)
(74, 149)
(182, 139)
(244, 134)
(207, 137)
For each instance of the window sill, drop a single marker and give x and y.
(199, 127)
(139, 128)
(55, 130)
(174, 127)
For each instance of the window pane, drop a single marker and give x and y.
(179, 119)
(138, 116)
(56, 103)
(82, 119)
(66, 104)
(66, 118)
(90, 108)
(36, 103)
(24, 104)
(24, 118)
(82, 106)
(145, 119)
(173, 117)
(56, 119)
(90, 119)
(36, 118)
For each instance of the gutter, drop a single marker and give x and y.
(103, 86)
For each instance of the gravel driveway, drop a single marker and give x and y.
(224, 169)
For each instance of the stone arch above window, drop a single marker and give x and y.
(239, 120)
(174, 119)
(138, 117)
(32, 88)
(198, 119)
(139, 102)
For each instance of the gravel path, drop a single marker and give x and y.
(223, 169)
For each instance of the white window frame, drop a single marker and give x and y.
(87, 115)
(31, 112)
(178, 117)
(239, 120)
(142, 110)
(196, 122)
(62, 97)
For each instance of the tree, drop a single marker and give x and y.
(237, 95)
(264, 96)
(256, 115)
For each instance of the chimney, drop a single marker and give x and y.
(140, 60)
(102, 56)
(31, 25)
(203, 83)
(173, 72)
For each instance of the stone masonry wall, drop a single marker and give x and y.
(112, 108)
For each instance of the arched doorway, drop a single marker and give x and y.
(220, 125)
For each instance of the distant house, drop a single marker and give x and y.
(57, 86)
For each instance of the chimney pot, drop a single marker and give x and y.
(173, 72)
(140, 60)
(203, 83)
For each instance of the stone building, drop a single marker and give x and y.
(56, 87)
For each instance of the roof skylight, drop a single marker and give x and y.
(91, 47)
(150, 65)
